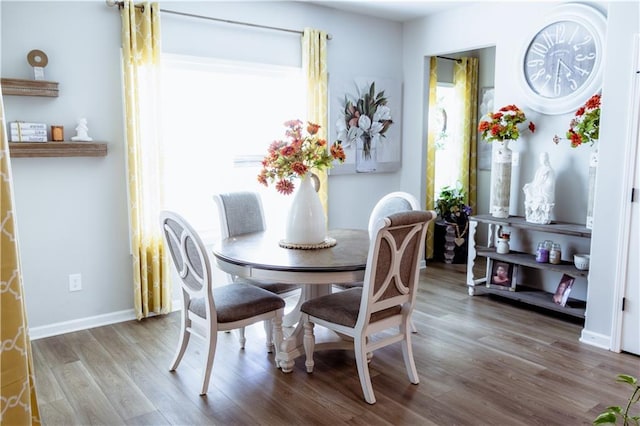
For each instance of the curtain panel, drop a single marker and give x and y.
(431, 153)
(465, 81)
(141, 68)
(314, 62)
(18, 402)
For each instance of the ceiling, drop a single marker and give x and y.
(394, 10)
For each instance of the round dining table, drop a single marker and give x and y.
(259, 256)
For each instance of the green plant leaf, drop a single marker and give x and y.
(605, 418)
(624, 378)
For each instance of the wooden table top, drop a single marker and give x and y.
(261, 250)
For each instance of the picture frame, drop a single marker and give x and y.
(561, 295)
(389, 151)
(502, 275)
(484, 148)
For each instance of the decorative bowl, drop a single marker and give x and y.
(581, 261)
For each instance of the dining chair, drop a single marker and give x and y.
(241, 213)
(393, 202)
(206, 310)
(383, 305)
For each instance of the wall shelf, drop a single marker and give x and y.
(57, 149)
(20, 87)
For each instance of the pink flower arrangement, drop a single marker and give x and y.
(297, 155)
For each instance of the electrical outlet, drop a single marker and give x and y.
(75, 282)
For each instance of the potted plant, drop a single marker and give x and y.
(615, 413)
(451, 238)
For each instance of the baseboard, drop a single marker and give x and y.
(596, 339)
(63, 327)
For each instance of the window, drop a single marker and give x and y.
(448, 150)
(220, 117)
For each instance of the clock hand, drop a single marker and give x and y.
(556, 86)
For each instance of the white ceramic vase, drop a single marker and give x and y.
(306, 221)
(501, 179)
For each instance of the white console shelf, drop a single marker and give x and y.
(532, 296)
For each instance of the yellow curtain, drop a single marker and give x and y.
(141, 67)
(314, 62)
(18, 402)
(431, 152)
(465, 81)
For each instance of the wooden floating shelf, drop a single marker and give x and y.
(20, 87)
(57, 149)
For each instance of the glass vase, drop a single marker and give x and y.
(366, 154)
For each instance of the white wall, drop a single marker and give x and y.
(508, 33)
(72, 212)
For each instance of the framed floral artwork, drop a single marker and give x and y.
(365, 117)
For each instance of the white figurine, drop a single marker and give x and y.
(540, 193)
(82, 131)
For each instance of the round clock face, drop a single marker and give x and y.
(560, 59)
(561, 63)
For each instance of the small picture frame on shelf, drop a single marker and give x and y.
(502, 275)
(561, 295)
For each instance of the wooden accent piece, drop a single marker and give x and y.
(57, 149)
(20, 87)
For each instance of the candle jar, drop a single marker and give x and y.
(542, 253)
(502, 246)
(555, 255)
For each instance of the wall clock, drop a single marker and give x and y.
(561, 62)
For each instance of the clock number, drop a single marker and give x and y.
(573, 35)
(580, 57)
(560, 30)
(585, 41)
(539, 49)
(581, 71)
(538, 73)
(547, 39)
(535, 63)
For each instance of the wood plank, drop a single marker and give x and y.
(564, 228)
(57, 149)
(21, 87)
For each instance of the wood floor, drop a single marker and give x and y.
(481, 361)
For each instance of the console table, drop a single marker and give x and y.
(533, 296)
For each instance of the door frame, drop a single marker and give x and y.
(633, 159)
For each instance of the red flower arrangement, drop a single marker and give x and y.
(503, 125)
(297, 155)
(585, 126)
